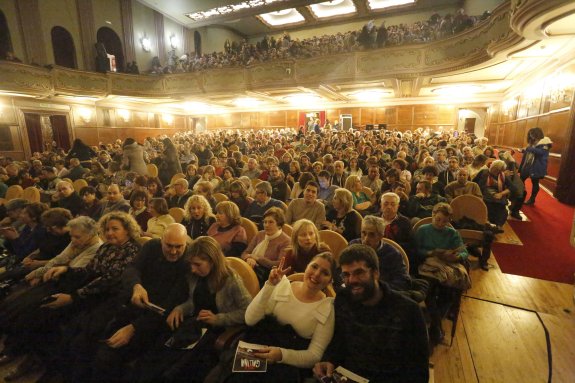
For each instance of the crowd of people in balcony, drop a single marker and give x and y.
(366, 186)
(371, 36)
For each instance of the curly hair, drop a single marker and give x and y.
(200, 200)
(127, 221)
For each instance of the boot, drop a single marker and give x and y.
(530, 202)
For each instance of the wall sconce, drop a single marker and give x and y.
(123, 114)
(85, 114)
(146, 44)
(174, 41)
(168, 118)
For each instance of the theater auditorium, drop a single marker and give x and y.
(379, 189)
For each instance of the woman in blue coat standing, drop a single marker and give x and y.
(534, 161)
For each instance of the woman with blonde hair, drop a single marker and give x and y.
(198, 216)
(227, 229)
(361, 201)
(217, 299)
(263, 251)
(342, 218)
(160, 220)
(305, 244)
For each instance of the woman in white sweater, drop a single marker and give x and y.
(302, 305)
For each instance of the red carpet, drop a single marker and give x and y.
(546, 252)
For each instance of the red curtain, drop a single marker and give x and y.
(34, 129)
(303, 119)
(60, 130)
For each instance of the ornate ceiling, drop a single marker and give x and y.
(244, 16)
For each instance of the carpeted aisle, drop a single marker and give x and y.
(546, 252)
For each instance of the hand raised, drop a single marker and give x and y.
(277, 273)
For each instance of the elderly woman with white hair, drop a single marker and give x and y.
(496, 188)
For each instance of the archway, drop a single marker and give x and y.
(5, 41)
(63, 48)
(113, 45)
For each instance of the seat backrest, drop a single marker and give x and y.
(250, 228)
(68, 180)
(421, 222)
(31, 194)
(283, 206)
(177, 176)
(14, 191)
(335, 241)
(288, 229)
(177, 214)
(143, 240)
(219, 197)
(469, 206)
(247, 274)
(79, 184)
(398, 247)
(152, 170)
(329, 291)
(255, 181)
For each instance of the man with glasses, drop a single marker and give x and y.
(181, 194)
(262, 202)
(391, 267)
(379, 334)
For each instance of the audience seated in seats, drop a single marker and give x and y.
(239, 196)
(53, 241)
(292, 176)
(115, 201)
(478, 164)
(443, 250)
(227, 179)
(252, 171)
(391, 267)
(307, 207)
(379, 334)
(361, 201)
(305, 244)
(294, 320)
(76, 170)
(421, 204)
(339, 174)
(217, 299)
(462, 186)
(205, 189)
(157, 276)
(372, 180)
(398, 227)
(264, 250)
(441, 163)
(495, 188)
(209, 175)
(181, 193)
(263, 201)
(48, 180)
(65, 197)
(342, 218)
(280, 189)
(227, 230)
(77, 289)
(91, 206)
(12, 218)
(326, 189)
(299, 186)
(155, 187)
(198, 216)
(20, 243)
(450, 174)
(139, 202)
(160, 218)
(429, 174)
(192, 175)
(517, 194)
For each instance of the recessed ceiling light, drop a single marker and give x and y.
(382, 4)
(333, 8)
(284, 17)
